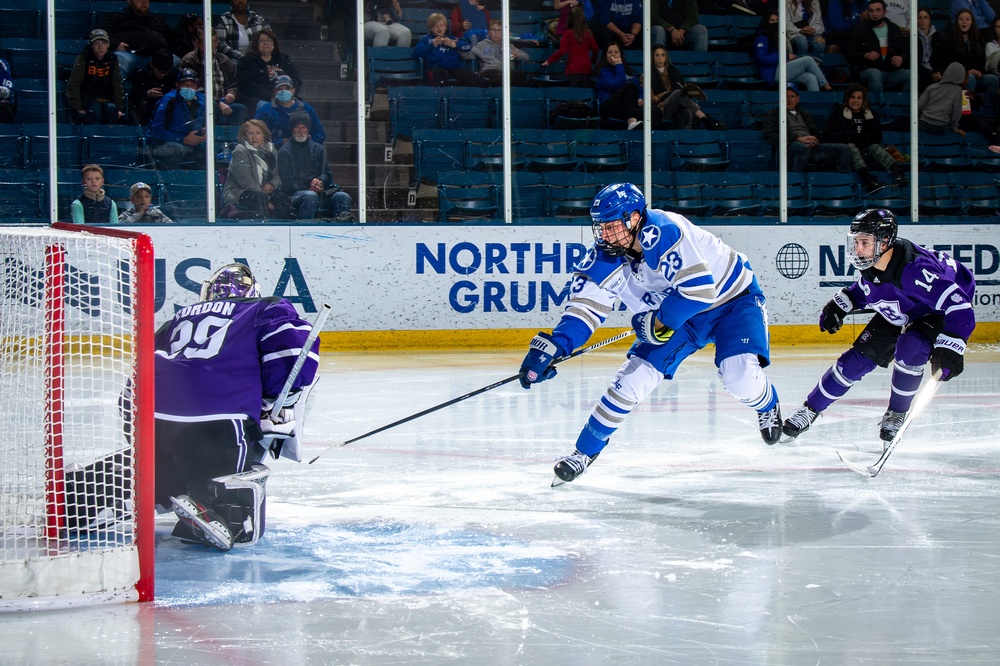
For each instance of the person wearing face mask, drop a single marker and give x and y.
(177, 131)
(277, 114)
(305, 173)
(879, 50)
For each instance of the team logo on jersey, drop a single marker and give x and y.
(955, 298)
(587, 261)
(649, 237)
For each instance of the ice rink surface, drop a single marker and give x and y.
(688, 542)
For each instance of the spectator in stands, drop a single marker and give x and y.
(962, 42)
(227, 110)
(305, 173)
(93, 207)
(940, 105)
(671, 101)
(803, 71)
(94, 92)
(840, 18)
(177, 131)
(804, 27)
(141, 196)
(565, 7)
(993, 50)
(136, 33)
(926, 34)
(879, 50)
(489, 53)
(804, 146)
(577, 44)
(898, 11)
(472, 22)
(617, 21)
(150, 84)
(237, 28)
(982, 13)
(8, 100)
(382, 23)
(618, 90)
(675, 24)
(260, 67)
(185, 37)
(858, 125)
(444, 56)
(253, 184)
(277, 114)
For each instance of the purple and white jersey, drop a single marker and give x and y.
(916, 283)
(218, 359)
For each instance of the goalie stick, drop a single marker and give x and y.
(317, 325)
(472, 394)
(924, 396)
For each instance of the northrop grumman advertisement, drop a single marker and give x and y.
(498, 277)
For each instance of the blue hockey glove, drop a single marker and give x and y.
(649, 330)
(537, 364)
(831, 319)
(949, 361)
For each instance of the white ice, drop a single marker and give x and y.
(688, 542)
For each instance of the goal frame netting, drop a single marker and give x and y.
(77, 473)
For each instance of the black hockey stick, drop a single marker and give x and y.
(584, 350)
(923, 397)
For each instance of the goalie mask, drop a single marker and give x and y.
(230, 281)
(873, 232)
(611, 217)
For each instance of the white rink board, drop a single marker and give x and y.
(473, 277)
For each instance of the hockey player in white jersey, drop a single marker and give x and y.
(687, 289)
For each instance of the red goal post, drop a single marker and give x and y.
(76, 395)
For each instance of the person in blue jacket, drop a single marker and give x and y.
(278, 112)
(177, 131)
(8, 104)
(443, 55)
(619, 93)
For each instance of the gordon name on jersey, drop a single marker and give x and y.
(202, 371)
(684, 270)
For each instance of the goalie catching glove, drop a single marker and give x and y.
(649, 330)
(831, 319)
(537, 364)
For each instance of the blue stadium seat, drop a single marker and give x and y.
(25, 195)
(467, 108)
(601, 150)
(768, 191)
(942, 152)
(547, 150)
(484, 150)
(112, 145)
(20, 22)
(724, 106)
(833, 193)
(11, 146)
(436, 150)
(747, 150)
(392, 66)
(569, 195)
(935, 196)
(696, 150)
(69, 146)
(681, 192)
(527, 108)
(466, 195)
(978, 192)
(731, 194)
(413, 107)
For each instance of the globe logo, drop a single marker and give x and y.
(792, 261)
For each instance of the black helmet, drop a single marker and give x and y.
(880, 225)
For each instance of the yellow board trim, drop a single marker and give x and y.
(517, 338)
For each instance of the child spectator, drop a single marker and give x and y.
(8, 105)
(471, 23)
(141, 196)
(489, 52)
(94, 91)
(577, 44)
(444, 56)
(93, 207)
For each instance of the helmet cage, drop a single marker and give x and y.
(614, 237)
(611, 217)
(872, 227)
(231, 281)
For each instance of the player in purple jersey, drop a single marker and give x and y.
(220, 365)
(923, 305)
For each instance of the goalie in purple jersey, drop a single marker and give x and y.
(923, 305)
(220, 365)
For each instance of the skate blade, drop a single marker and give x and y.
(556, 481)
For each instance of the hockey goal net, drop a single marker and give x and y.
(76, 399)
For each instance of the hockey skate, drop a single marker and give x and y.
(769, 423)
(890, 424)
(205, 524)
(571, 467)
(799, 421)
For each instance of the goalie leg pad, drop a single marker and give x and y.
(240, 499)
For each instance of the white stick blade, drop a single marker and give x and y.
(863, 470)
